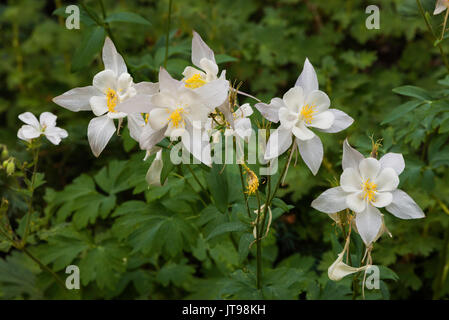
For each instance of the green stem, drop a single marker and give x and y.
(196, 179)
(30, 203)
(44, 267)
(167, 34)
(258, 246)
(245, 197)
(441, 277)
(429, 26)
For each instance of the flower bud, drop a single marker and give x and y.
(10, 168)
(5, 153)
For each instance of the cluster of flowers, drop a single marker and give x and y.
(203, 101)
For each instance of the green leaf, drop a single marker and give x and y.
(415, 92)
(89, 47)
(168, 165)
(177, 274)
(218, 186)
(245, 241)
(223, 58)
(227, 227)
(401, 111)
(114, 178)
(127, 17)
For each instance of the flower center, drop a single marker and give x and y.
(176, 118)
(195, 81)
(307, 113)
(369, 190)
(112, 98)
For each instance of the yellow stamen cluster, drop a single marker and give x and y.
(369, 190)
(112, 99)
(252, 181)
(195, 81)
(307, 113)
(147, 115)
(175, 118)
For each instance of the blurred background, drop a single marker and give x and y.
(264, 45)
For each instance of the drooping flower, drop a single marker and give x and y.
(109, 89)
(366, 185)
(302, 107)
(440, 6)
(338, 270)
(45, 126)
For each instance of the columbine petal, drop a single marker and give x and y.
(355, 202)
(99, 105)
(150, 137)
(368, 224)
(30, 119)
(279, 141)
(167, 83)
(196, 145)
(214, 93)
(200, 50)
(404, 207)
(210, 67)
(350, 180)
(27, 132)
(140, 103)
(319, 100)
(55, 134)
(105, 80)
(393, 160)
(369, 168)
(112, 59)
(440, 7)
(99, 132)
(382, 199)
(338, 270)
(158, 118)
(124, 81)
(323, 120)
(271, 111)
(146, 87)
(153, 175)
(387, 180)
(307, 79)
(294, 99)
(287, 118)
(47, 119)
(302, 132)
(311, 152)
(330, 201)
(341, 121)
(77, 99)
(351, 157)
(136, 124)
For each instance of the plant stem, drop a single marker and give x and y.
(44, 267)
(196, 179)
(30, 203)
(442, 272)
(429, 26)
(444, 24)
(258, 246)
(245, 197)
(167, 34)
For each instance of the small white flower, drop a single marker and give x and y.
(110, 88)
(45, 126)
(153, 176)
(338, 270)
(301, 108)
(441, 6)
(366, 185)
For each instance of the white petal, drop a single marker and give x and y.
(167, 83)
(355, 202)
(116, 115)
(311, 152)
(393, 160)
(214, 93)
(153, 175)
(350, 180)
(191, 71)
(243, 127)
(124, 81)
(440, 7)
(404, 207)
(382, 199)
(244, 111)
(210, 67)
(112, 59)
(330, 201)
(197, 145)
(351, 157)
(136, 124)
(307, 79)
(271, 111)
(302, 132)
(105, 80)
(30, 119)
(150, 137)
(99, 105)
(278, 143)
(341, 122)
(77, 99)
(369, 168)
(146, 87)
(287, 118)
(387, 180)
(200, 50)
(158, 118)
(323, 120)
(27, 132)
(140, 103)
(319, 100)
(99, 132)
(368, 224)
(294, 99)
(55, 134)
(47, 119)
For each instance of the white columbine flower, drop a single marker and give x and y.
(302, 107)
(440, 6)
(45, 126)
(109, 89)
(366, 185)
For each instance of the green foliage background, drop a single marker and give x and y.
(172, 242)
